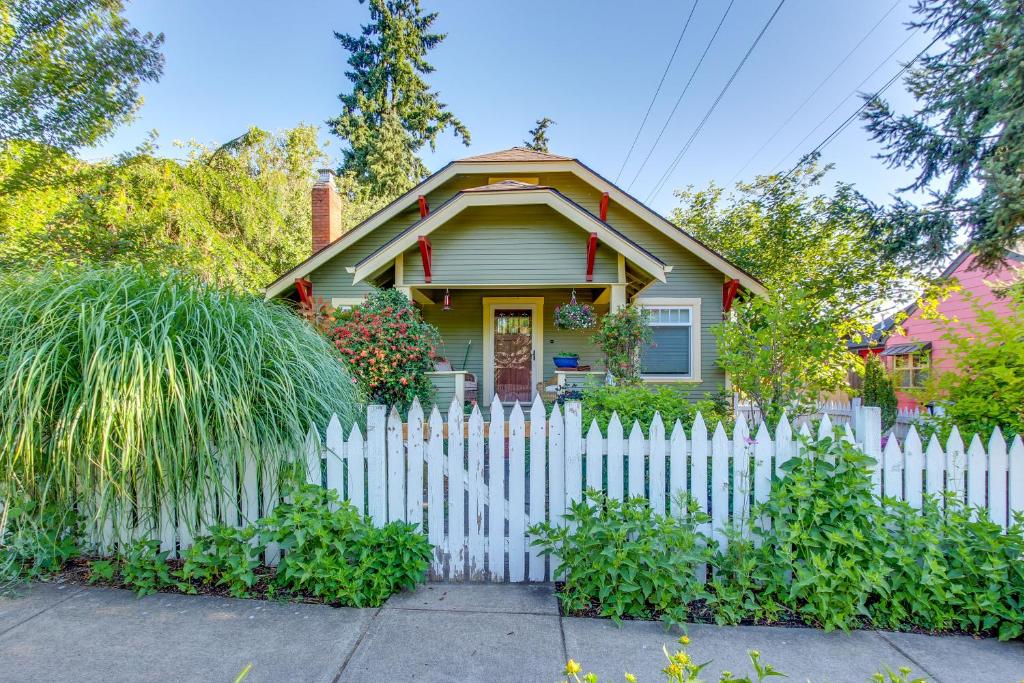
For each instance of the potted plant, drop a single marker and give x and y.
(574, 315)
(566, 360)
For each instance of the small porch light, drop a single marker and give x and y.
(447, 301)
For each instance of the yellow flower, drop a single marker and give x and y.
(684, 640)
(681, 658)
(572, 667)
(673, 669)
(630, 677)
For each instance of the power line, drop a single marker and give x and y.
(696, 131)
(680, 98)
(658, 89)
(832, 136)
(815, 91)
(843, 101)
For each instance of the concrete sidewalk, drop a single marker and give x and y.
(442, 632)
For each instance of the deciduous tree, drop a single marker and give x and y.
(70, 70)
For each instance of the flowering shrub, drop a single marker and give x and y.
(575, 316)
(387, 348)
(621, 336)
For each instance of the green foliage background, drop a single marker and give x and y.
(236, 215)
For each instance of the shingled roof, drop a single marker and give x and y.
(517, 154)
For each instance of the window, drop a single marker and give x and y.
(911, 369)
(671, 352)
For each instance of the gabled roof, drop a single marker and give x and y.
(528, 194)
(517, 154)
(513, 161)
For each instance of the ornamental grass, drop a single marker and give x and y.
(120, 385)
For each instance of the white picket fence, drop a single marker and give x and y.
(844, 412)
(444, 475)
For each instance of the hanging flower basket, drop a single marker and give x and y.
(574, 315)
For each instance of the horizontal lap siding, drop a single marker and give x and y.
(332, 279)
(510, 244)
(690, 277)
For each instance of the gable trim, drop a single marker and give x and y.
(549, 197)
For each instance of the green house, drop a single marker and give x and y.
(489, 246)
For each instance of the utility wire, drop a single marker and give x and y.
(696, 131)
(683, 93)
(843, 101)
(815, 91)
(842, 126)
(658, 89)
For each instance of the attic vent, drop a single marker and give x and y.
(528, 181)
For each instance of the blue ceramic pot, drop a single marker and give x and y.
(564, 362)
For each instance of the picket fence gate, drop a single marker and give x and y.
(444, 474)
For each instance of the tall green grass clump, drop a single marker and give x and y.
(122, 388)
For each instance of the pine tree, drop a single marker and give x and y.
(879, 390)
(391, 112)
(968, 132)
(538, 141)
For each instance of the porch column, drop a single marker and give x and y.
(618, 297)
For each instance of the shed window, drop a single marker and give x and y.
(670, 352)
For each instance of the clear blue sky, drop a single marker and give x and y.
(591, 66)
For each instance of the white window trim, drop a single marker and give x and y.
(693, 303)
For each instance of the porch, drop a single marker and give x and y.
(503, 341)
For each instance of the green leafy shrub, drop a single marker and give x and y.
(114, 380)
(837, 556)
(626, 560)
(879, 390)
(986, 390)
(226, 557)
(36, 540)
(144, 569)
(641, 402)
(334, 554)
(388, 348)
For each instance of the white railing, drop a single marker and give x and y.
(444, 475)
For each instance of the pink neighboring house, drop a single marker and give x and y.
(922, 348)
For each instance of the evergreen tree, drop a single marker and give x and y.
(967, 133)
(391, 112)
(538, 141)
(879, 390)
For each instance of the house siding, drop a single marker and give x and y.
(530, 244)
(533, 246)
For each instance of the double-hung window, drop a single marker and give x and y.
(671, 352)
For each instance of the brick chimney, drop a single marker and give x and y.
(326, 210)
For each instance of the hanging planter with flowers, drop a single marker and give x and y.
(574, 315)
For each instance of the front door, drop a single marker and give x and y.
(513, 354)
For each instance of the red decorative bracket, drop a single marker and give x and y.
(604, 207)
(591, 252)
(729, 290)
(427, 252)
(305, 289)
(424, 209)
